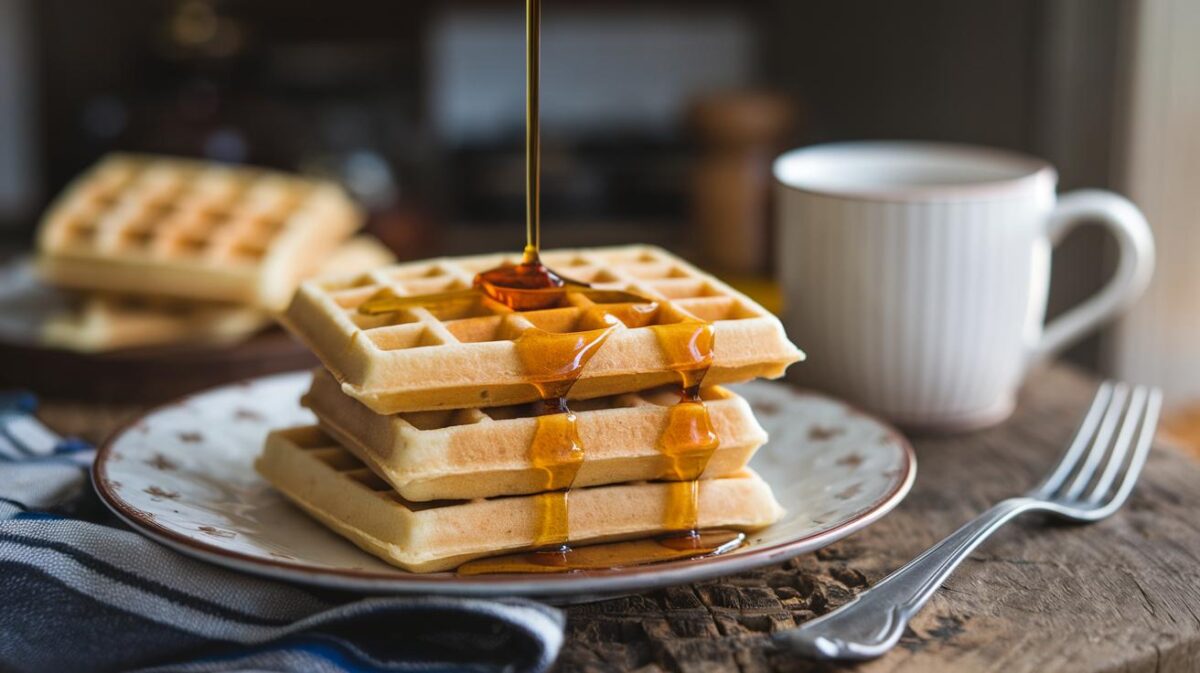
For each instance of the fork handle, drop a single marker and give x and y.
(872, 623)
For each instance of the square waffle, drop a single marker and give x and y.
(463, 355)
(482, 453)
(192, 230)
(328, 482)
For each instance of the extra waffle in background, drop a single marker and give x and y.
(463, 354)
(110, 346)
(192, 230)
(152, 251)
(97, 322)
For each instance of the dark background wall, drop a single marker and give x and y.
(318, 85)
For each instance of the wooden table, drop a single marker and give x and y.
(1121, 595)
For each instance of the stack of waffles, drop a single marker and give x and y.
(451, 427)
(157, 250)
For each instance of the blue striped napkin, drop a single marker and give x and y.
(79, 595)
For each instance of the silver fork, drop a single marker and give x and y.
(1093, 480)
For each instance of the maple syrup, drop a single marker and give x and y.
(558, 454)
(554, 361)
(533, 134)
(490, 284)
(611, 555)
(689, 440)
(527, 286)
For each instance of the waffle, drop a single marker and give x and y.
(102, 323)
(335, 488)
(192, 230)
(482, 453)
(462, 355)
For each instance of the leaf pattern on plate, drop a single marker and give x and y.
(161, 462)
(159, 493)
(850, 460)
(821, 433)
(216, 532)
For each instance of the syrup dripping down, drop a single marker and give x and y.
(557, 453)
(553, 362)
(689, 440)
(687, 444)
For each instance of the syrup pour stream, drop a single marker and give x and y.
(554, 362)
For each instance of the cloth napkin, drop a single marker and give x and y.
(79, 592)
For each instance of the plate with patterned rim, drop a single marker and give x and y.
(182, 475)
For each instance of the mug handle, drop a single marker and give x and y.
(1134, 266)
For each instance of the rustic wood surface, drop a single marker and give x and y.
(1121, 595)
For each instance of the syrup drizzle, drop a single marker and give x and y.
(557, 453)
(689, 440)
(487, 284)
(554, 361)
(533, 135)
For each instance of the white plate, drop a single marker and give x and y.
(182, 475)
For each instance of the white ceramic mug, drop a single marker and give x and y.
(915, 274)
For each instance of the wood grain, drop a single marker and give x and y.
(1121, 595)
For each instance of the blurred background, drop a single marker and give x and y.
(660, 117)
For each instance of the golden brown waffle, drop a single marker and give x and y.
(482, 453)
(462, 355)
(192, 230)
(334, 487)
(102, 323)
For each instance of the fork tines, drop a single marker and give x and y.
(1102, 464)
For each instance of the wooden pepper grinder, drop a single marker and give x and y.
(740, 134)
